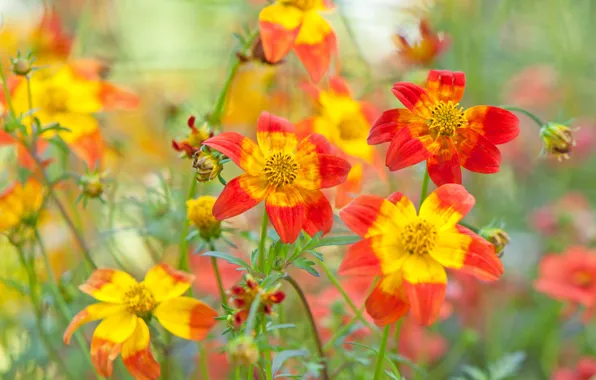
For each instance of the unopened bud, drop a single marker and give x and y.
(497, 237)
(243, 350)
(21, 66)
(208, 167)
(558, 140)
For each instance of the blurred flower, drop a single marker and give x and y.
(436, 129)
(585, 370)
(570, 277)
(287, 175)
(424, 51)
(535, 86)
(200, 214)
(497, 237)
(193, 142)
(125, 307)
(297, 24)
(557, 139)
(207, 165)
(92, 184)
(243, 350)
(20, 205)
(243, 295)
(24, 157)
(420, 344)
(257, 53)
(410, 251)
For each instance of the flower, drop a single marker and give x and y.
(585, 370)
(199, 212)
(92, 184)
(20, 205)
(194, 140)
(242, 297)
(286, 174)
(207, 165)
(424, 51)
(436, 129)
(125, 307)
(410, 251)
(570, 277)
(243, 350)
(297, 24)
(558, 140)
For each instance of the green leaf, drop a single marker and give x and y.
(229, 258)
(475, 373)
(272, 327)
(192, 234)
(254, 257)
(271, 280)
(335, 240)
(307, 265)
(281, 357)
(393, 367)
(316, 254)
(507, 366)
(15, 285)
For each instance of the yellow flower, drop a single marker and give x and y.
(200, 213)
(20, 205)
(125, 306)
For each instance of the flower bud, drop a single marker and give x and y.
(208, 167)
(92, 185)
(192, 144)
(21, 66)
(558, 140)
(243, 350)
(497, 237)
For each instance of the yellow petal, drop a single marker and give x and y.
(137, 356)
(107, 340)
(108, 285)
(165, 282)
(186, 317)
(92, 313)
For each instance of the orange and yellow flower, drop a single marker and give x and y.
(410, 251)
(19, 204)
(125, 306)
(424, 51)
(286, 174)
(297, 24)
(434, 127)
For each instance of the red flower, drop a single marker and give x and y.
(436, 129)
(585, 370)
(424, 51)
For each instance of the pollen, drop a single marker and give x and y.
(446, 118)
(281, 169)
(139, 300)
(419, 237)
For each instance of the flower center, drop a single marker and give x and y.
(582, 279)
(281, 169)
(446, 118)
(138, 299)
(419, 237)
(351, 128)
(56, 99)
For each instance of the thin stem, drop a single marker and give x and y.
(261, 260)
(29, 94)
(6, 91)
(204, 365)
(398, 325)
(424, 189)
(183, 259)
(469, 226)
(381, 357)
(313, 325)
(222, 292)
(525, 112)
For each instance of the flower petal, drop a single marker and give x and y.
(318, 212)
(92, 313)
(89, 148)
(480, 258)
(347, 191)
(388, 302)
(239, 195)
(165, 282)
(275, 134)
(378, 254)
(370, 215)
(425, 283)
(186, 317)
(242, 150)
(319, 170)
(447, 205)
(443, 166)
(107, 341)
(495, 124)
(117, 98)
(389, 123)
(409, 147)
(279, 26)
(339, 86)
(444, 86)
(137, 356)
(414, 98)
(315, 44)
(286, 210)
(108, 285)
(476, 153)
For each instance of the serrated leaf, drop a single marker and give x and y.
(283, 356)
(307, 265)
(335, 240)
(271, 280)
(393, 367)
(507, 366)
(392, 375)
(475, 373)
(281, 326)
(316, 254)
(229, 258)
(192, 234)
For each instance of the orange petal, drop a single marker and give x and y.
(443, 166)
(409, 147)
(339, 86)
(315, 45)
(90, 148)
(279, 26)
(92, 313)
(239, 195)
(496, 124)
(137, 356)
(389, 123)
(317, 169)
(318, 212)
(361, 258)
(425, 283)
(447, 205)
(444, 86)
(6, 138)
(414, 98)
(305, 127)
(108, 285)
(242, 150)
(275, 134)
(476, 153)
(165, 282)
(387, 303)
(113, 97)
(107, 341)
(480, 258)
(186, 317)
(348, 190)
(286, 210)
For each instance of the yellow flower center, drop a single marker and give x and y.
(196, 137)
(55, 100)
(352, 128)
(138, 299)
(281, 169)
(419, 237)
(446, 118)
(582, 279)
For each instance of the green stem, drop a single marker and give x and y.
(398, 325)
(183, 259)
(313, 325)
(381, 357)
(424, 189)
(204, 365)
(339, 333)
(6, 91)
(222, 291)
(469, 226)
(252, 316)
(266, 352)
(261, 260)
(525, 112)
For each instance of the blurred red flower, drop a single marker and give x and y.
(424, 51)
(585, 370)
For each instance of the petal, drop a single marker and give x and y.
(108, 285)
(275, 134)
(313, 144)
(115, 98)
(107, 340)
(339, 86)
(409, 147)
(6, 138)
(242, 150)
(444, 86)
(286, 210)
(348, 190)
(388, 302)
(480, 258)
(375, 255)
(239, 195)
(186, 317)
(89, 148)
(443, 166)
(279, 25)
(476, 153)
(137, 356)
(447, 205)
(425, 283)
(315, 44)
(321, 171)
(389, 123)
(318, 212)
(414, 98)
(166, 282)
(495, 124)
(92, 313)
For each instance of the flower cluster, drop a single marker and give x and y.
(243, 296)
